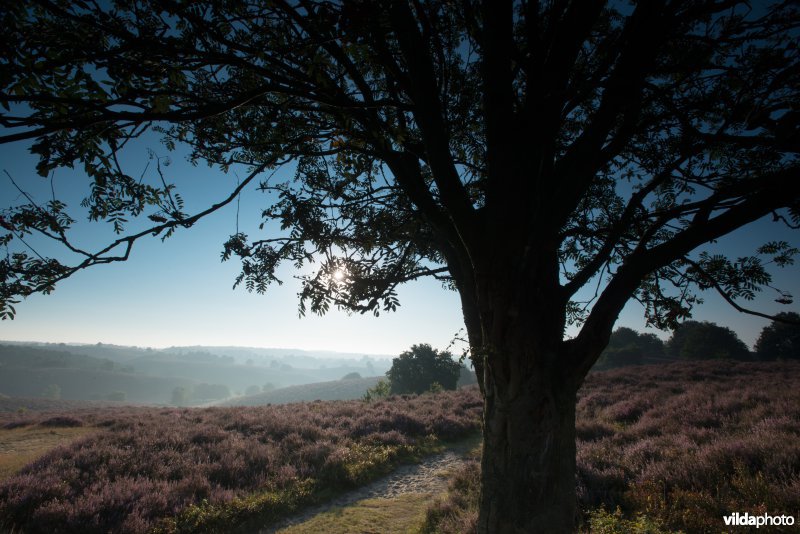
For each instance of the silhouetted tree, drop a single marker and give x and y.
(780, 340)
(417, 369)
(547, 160)
(466, 376)
(626, 346)
(705, 340)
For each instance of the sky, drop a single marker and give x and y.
(179, 293)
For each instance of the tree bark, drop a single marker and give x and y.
(528, 463)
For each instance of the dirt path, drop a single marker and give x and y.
(428, 478)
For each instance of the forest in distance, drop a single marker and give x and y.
(197, 376)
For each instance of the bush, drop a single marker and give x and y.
(416, 370)
(629, 347)
(602, 522)
(779, 340)
(695, 340)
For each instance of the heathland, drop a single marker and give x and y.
(661, 448)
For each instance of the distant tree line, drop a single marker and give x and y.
(703, 340)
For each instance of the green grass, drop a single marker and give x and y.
(399, 515)
(20, 446)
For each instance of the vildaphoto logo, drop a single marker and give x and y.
(764, 520)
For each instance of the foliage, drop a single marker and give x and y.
(35, 357)
(52, 391)
(628, 347)
(402, 136)
(547, 160)
(418, 369)
(694, 340)
(180, 396)
(381, 390)
(458, 512)
(603, 522)
(466, 376)
(780, 340)
(213, 469)
(352, 376)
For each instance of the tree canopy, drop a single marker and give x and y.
(657, 129)
(419, 368)
(705, 340)
(780, 340)
(548, 160)
(626, 346)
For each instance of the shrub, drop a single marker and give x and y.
(417, 369)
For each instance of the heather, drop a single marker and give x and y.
(205, 470)
(674, 448)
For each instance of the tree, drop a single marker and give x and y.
(780, 340)
(180, 396)
(381, 390)
(417, 369)
(547, 160)
(695, 340)
(351, 376)
(626, 346)
(52, 391)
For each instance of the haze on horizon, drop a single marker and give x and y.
(178, 293)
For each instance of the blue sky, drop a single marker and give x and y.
(179, 293)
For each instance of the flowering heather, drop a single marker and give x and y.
(148, 464)
(676, 447)
(689, 443)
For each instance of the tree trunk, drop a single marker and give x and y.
(528, 464)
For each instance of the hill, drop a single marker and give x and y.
(325, 391)
(98, 372)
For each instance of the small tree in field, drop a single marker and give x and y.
(780, 340)
(418, 369)
(549, 161)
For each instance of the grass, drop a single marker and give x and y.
(20, 446)
(400, 515)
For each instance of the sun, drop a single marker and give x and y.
(339, 275)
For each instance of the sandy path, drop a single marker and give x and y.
(428, 477)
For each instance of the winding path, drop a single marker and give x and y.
(428, 476)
